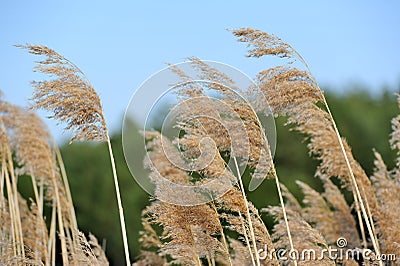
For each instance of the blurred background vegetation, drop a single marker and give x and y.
(362, 118)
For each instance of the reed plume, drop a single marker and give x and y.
(189, 232)
(295, 93)
(34, 232)
(387, 189)
(72, 100)
(25, 136)
(9, 190)
(241, 255)
(304, 237)
(226, 122)
(149, 258)
(344, 223)
(232, 210)
(386, 185)
(328, 214)
(331, 222)
(69, 95)
(243, 136)
(192, 230)
(88, 252)
(30, 142)
(150, 243)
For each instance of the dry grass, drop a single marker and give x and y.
(72, 100)
(316, 223)
(227, 230)
(25, 239)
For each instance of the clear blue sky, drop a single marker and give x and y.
(119, 44)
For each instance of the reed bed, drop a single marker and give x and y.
(226, 230)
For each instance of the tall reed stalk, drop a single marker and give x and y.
(72, 100)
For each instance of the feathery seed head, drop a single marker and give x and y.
(69, 95)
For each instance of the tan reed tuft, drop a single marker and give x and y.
(72, 100)
(296, 94)
(329, 213)
(387, 188)
(69, 96)
(304, 237)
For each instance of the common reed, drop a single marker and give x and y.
(28, 150)
(233, 232)
(72, 100)
(299, 97)
(200, 213)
